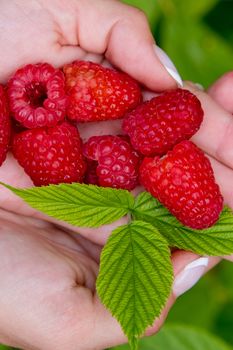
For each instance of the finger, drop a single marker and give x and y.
(68, 53)
(12, 173)
(229, 258)
(224, 178)
(215, 136)
(222, 91)
(188, 268)
(122, 33)
(61, 55)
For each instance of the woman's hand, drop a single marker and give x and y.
(49, 268)
(60, 31)
(47, 296)
(48, 272)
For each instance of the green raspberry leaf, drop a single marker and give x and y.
(217, 240)
(78, 204)
(135, 277)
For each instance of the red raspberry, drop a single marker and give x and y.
(98, 93)
(117, 164)
(51, 155)
(5, 126)
(157, 125)
(183, 181)
(37, 95)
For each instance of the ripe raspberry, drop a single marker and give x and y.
(51, 155)
(37, 95)
(5, 126)
(98, 93)
(183, 181)
(117, 164)
(157, 125)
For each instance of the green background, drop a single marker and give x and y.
(198, 36)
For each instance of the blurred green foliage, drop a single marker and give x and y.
(198, 36)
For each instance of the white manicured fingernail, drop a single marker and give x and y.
(168, 64)
(189, 276)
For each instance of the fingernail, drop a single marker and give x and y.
(189, 276)
(168, 64)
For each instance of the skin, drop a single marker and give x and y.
(48, 271)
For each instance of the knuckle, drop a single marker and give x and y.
(134, 14)
(139, 15)
(225, 146)
(229, 75)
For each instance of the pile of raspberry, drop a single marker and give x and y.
(43, 108)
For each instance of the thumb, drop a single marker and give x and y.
(229, 258)
(132, 48)
(63, 55)
(123, 35)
